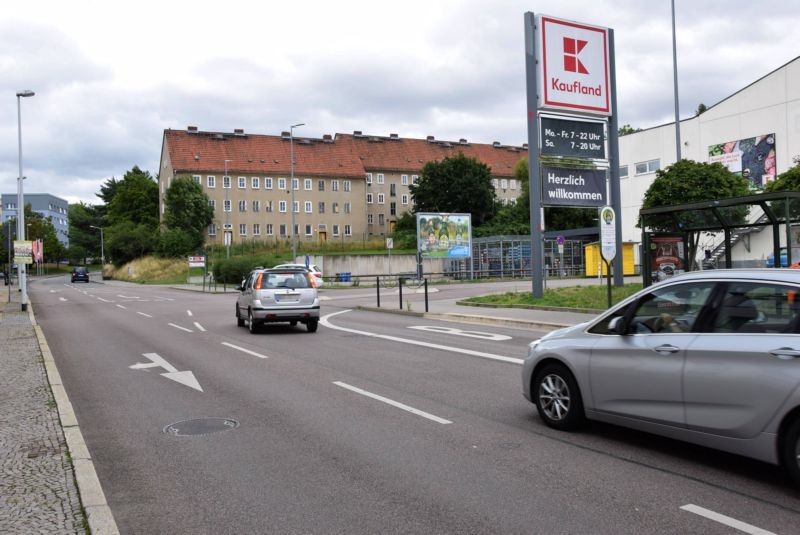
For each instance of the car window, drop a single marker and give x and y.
(287, 280)
(758, 308)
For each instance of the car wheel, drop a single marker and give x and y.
(557, 398)
(312, 326)
(239, 320)
(790, 451)
(251, 323)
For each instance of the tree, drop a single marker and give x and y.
(686, 182)
(456, 184)
(701, 109)
(187, 213)
(626, 129)
(84, 240)
(132, 216)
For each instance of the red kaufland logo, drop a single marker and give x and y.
(573, 47)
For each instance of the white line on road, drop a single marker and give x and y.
(179, 327)
(62, 298)
(461, 332)
(324, 321)
(245, 350)
(199, 327)
(728, 521)
(145, 315)
(393, 403)
(121, 306)
(104, 300)
(189, 312)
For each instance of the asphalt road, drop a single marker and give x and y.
(377, 423)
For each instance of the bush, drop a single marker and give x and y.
(175, 242)
(233, 270)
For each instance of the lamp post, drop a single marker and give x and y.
(291, 186)
(21, 199)
(227, 231)
(102, 249)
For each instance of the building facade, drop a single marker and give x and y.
(348, 187)
(48, 206)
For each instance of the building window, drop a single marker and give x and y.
(369, 219)
(414, 179)
(369, 178)
(267, 182)
(226, 182)
(269, 229)
(369, 198)
(392, 208)
(336, 230)
(211, 181)
(307, 184)
(321, 185)
(380, 178)
(513, 184)
(404, 180)
(242, 182)
(321, 207)
(196, 178)
(296, 231)
(242, 229)
(392, 190)
(281, 183)
(347, 185)
(334, 185)
(282, 206)
(642, 168)
(308, 206)
(335, 208)
(347, 207)
(348, 230)
(255, 183)
(404, 199)
(268, 206)
(282, 230)
(256, 206)
(381, 198)
(308, 230)
(495, 183)
(295, 184)
(296, 207)
(212, 229)
(242, 206)
(256, 229)
(504, 184)
(226, 205)
(212, 203)
(623, 171)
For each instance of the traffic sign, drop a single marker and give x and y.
(560, 240)
(608, 236)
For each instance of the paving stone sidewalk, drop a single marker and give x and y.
(38, 492)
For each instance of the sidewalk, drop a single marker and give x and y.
(48, 482)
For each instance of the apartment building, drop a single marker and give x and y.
(347, 187)
(45, 204)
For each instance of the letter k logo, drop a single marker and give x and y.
(572, 48)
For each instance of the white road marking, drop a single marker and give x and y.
(103, 300)
(324, 321)
(393, 403)
(199, 327)
(145, 315)
(179, 327)
(460, 332)
(728, 521)
(62, 298)
(121, 306)
(128, 296)
(185, 378)
(245, 350)
(189, 312)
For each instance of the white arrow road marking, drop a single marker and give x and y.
(245, 350)
(393, 403)
(62, 298)
(179, 327)
(324, 321)
(145, 315)
(460, 332)
(185, 378)
(199, 327)
(728, 521)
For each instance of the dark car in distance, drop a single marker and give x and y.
(80, 273)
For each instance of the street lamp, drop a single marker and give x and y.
(21, 199)
(225, 231)
(291, 186)
(102, 249)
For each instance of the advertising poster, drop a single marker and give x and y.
(444, 235)
(23, 251)
(666, 257)
(752, 158)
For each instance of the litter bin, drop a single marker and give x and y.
(345, 276)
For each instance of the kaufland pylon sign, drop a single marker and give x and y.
(573, 60)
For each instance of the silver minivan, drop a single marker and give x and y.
(709, 357)
(278, 295)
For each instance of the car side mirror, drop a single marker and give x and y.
(618, 326)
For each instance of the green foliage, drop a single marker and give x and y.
(233, 270)
(187, 207)
(77, 254)
(135, 200)
(626, 129)
(84, 240)
(405, 232)
(457, 184)
(786, 181)
(177, 242)
(701, 109)
(128, 240)
(593, 298)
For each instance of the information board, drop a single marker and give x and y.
(581, 139)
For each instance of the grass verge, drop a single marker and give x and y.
(578, 297)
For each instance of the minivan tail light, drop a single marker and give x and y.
(311, 280)
(257, 284)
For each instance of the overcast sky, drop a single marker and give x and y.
(109, 77)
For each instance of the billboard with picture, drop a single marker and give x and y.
(444, 235)
(752, 158)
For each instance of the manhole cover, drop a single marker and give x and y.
(200, 426)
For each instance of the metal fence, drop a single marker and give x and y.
(510, 256)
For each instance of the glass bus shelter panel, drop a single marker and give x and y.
(779, 209)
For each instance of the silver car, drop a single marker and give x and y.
(278, 295)
(312, 268)
(709, 357)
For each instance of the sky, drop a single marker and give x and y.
(110, 77)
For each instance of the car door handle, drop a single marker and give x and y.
(666, 348)
(785, 353)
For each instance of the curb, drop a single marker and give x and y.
(98, 513)
(473, 318)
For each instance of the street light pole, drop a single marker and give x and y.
(102, 249)
(227, 237)
(291, 186)
(21, 199)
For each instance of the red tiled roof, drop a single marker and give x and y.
(346, 155)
